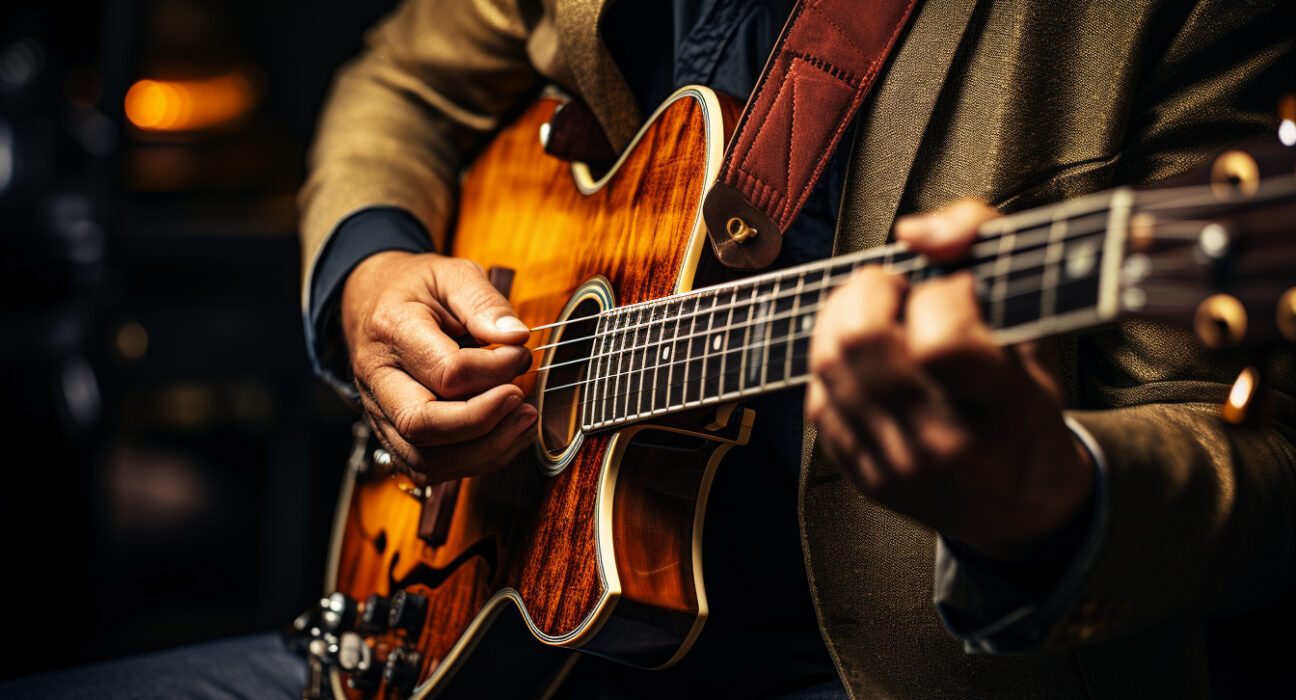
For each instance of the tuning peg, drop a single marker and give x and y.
(1220, 322)
(1287, 113)
(1286, 314)
(1237, 409)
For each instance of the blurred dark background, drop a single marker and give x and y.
(168, 462)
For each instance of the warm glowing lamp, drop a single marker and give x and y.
(189, 105)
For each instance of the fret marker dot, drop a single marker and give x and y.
(806, 322)
(1081, 261)
(715, 343)
(666, 353)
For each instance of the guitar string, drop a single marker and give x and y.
(701, 400)
(829, 282)
(712, 353)
(1018, 288)
(1032, 236)
(1171, 298)
(915, 263)
(785, 339)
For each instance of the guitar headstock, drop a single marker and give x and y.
(1218, 256)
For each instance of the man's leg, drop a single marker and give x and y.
(244, 667)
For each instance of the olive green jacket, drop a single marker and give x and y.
(1016, 102)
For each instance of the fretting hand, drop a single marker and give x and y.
(442, 411)
(926, 414)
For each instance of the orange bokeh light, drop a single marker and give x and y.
(189, 105)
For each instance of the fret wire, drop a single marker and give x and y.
(599, 373)
(610, 381)
(742, 378)
(660, 326)
(999, 286)
(912, 265)
(728, 336)
(706, 346)
(767, 331)
(1054, 251)
(635, 381)
(724, 344)
(594, 373)
(688, 351)
(730, 395)
(622, 358)
(792, 324)
(671, 355)
(643, 362)
(637, 339)
(614, 363)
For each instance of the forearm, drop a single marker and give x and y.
(402, 119)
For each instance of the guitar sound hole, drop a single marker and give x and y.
(560, 405)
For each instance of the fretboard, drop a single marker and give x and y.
(1038, 273)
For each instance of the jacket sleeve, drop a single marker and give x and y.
(437, 77)
(1200, 517)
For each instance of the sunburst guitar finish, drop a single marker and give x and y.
(590, 542)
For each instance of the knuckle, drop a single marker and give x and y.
(870, 341)
(480, 296)
(948, 348)
(385, 321)
(469, 267)
(452, 377)
(410, 423)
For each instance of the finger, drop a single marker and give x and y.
(422, 420)
(488, 316)
(945, 235)
(472, 457)
(860, 350)
(859, 312)
(844, 447)
(438, 363)
(950, 342)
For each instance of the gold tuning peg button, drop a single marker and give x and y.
(1287, 115)
(1241, 397)
(1286, 314)
(1220, 322)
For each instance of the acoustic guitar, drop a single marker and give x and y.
(592, 542)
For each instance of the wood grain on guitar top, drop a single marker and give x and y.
(517, 528)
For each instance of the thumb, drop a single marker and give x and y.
(487, 315)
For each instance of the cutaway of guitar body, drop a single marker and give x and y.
(599, 551)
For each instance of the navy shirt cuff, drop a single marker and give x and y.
(997, 607)
(364, 233)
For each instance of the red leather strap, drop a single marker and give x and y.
(825, 61)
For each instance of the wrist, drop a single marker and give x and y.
(362, 289)
(1062, 513)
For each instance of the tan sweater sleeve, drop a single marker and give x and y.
(437, 77)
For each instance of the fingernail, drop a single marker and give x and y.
(511, 324)
(914, 227)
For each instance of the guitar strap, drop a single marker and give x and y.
(822, 67)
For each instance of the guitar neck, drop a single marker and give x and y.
(1038, 273)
